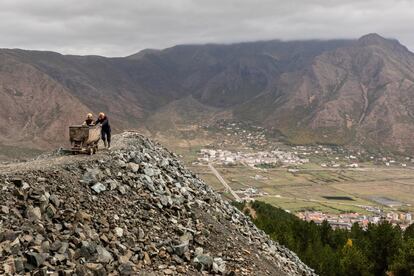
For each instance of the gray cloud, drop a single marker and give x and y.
(122, 27)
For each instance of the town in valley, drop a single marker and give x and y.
(342, 185)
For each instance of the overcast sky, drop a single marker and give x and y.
(123, 27)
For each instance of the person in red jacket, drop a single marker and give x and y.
(106, 129)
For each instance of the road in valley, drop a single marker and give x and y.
(221, 179)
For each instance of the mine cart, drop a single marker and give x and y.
(84, 139)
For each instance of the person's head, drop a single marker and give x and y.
(101, 115)
(89, 116)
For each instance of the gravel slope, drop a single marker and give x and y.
(132, 211)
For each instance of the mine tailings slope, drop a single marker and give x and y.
(132, 211)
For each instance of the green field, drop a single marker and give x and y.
(307, 188)
(297, 205)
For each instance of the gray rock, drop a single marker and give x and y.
(186, 238)
(141, 234)
(18, 265)
(168, 271)
(45, 246)
(103, 255)
(203, 262)
(5, 210)
(63, 248)
(149, 172)
(113, 184)
(119, 232)
(98, 187)
(219, 266)
(33, 213)
(35, 259)
(126, 269)
(18, 182)
(122, 190)
(25, 186)
(8, 235)
(165, 201)
(54, 200)
(91, 176)
(164, 163)
(51, 211)
(150, 186)
(96, 269)
(55, 246)
(180, 249)
(15, 247)
(198, 251)
(133, 167)
(87, 249)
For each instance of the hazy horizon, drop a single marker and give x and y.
(117, 29)
(199, 44)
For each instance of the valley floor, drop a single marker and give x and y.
(314, 182)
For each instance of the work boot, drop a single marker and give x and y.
(105, 144)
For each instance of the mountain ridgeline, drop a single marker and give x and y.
(338, 91)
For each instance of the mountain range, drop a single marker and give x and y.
(335, 91)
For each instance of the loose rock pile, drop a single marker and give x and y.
(133, 211)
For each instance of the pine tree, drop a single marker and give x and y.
(404, 262)
(353, 261)
(409, 232)
(384, 243)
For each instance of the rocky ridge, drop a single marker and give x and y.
(133, 211)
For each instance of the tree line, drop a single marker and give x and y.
(381, 249)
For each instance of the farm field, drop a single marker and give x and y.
(308, 186)
(308, 189)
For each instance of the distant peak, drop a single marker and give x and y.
(376, 39)
(372, 38)
(142, 53)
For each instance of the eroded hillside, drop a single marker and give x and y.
(357, 92)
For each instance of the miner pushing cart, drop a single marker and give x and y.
(84, 138)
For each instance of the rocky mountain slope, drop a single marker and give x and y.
(362, 93)
(339, 91)
(133, 89)
(33, 106)
(132, 211)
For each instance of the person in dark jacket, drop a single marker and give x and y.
(106, 129)
(89, 120)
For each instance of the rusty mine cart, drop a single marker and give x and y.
(84, 139)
